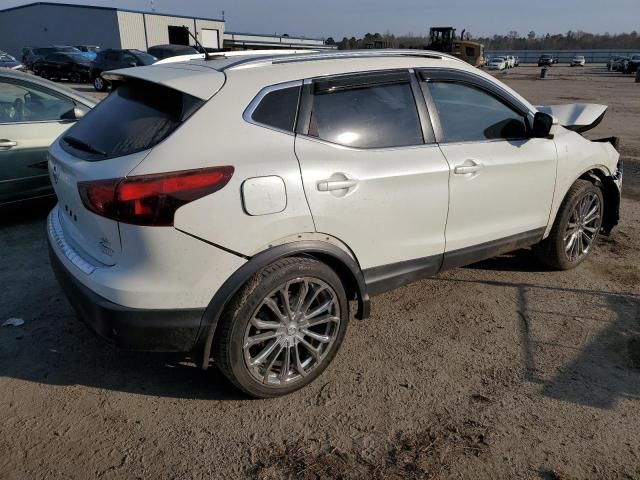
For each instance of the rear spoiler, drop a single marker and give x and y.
(578, 117)
(195, 80)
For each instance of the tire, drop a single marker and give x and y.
(100, 84)
(556, 250)
(260, 374)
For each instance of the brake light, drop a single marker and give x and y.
(151, 200)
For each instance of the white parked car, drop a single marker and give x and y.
(498, 63)
(511, 61)
(234, 207)
(578, 61)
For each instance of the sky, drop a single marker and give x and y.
(339, 18)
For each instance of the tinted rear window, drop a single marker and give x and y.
(278, 109)
(136, 116)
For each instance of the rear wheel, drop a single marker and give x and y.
(99, 84)
(283, 328)
(576, 228)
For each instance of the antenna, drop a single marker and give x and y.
(198, 44)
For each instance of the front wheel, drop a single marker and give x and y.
(283, 328)
(575, 229)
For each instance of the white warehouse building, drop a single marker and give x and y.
(43, 24)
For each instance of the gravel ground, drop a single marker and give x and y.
(503, 369)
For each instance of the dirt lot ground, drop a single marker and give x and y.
(499, 370)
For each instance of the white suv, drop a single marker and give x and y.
(233, 207)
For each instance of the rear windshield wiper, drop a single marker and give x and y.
(80, 145)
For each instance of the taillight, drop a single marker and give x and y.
(151, 200)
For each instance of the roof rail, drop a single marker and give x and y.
(333, 55)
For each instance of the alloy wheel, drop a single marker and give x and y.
(583, 227)
(291, 331)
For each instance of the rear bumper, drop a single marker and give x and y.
(129, 328)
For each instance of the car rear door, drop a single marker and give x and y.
(372, 173)
(31, 117)
(502, 180)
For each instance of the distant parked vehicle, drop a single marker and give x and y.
(631, 65)
(33, 112)
(546, 60)
(70, 66)
(516, 61)
(511, 61)
(497, 63)
(578, 61)
(89, 51)
(113, 59)
(32, 54)
(166, 51)
(615, 63)
(7, 61)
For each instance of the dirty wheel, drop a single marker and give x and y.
(283, 329)
(576, 227)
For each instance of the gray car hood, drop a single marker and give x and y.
(579, 117)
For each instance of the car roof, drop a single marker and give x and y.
(27, 77)
(203, 78)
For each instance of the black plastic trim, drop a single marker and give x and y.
(428, 133)
(359, 80)
(311, 248)
(389, 277)
(459, 76)
(476, 253)
(129, 328)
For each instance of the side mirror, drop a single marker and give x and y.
(78, 112)
(542, 125)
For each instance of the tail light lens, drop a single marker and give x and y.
(151, 200)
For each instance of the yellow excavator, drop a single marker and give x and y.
(443, 39)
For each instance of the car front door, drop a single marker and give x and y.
(31, 117)
(373, 175)
(502, 180)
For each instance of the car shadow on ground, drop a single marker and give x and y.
(66, 353)
(522, 260)
(54, 347)
(599, 339)
(26, 212)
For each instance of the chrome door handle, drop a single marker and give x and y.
(464, 169)
(8, 144)
(331, 185)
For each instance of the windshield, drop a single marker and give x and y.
(76, 56)
(498, 59)
(145, 58)
(5, 57)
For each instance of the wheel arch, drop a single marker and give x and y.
(344, 265)
(602, 178)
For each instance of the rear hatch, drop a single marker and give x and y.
(111, 140)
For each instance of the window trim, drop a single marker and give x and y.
(441, 75)
(247, 115)
(46, 90)
(373, 78)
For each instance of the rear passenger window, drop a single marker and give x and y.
(375, 116)
(278, 109)
(468, 114)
